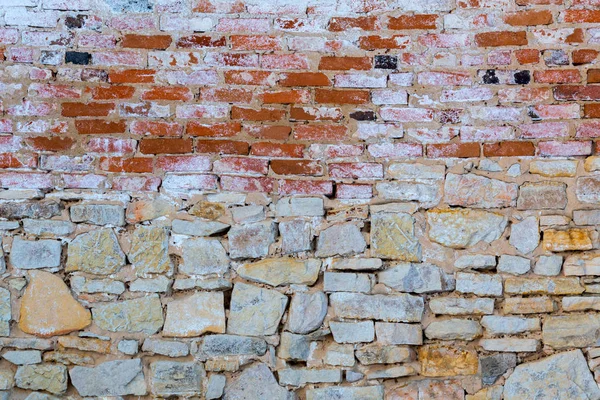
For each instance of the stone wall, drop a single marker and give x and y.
(311, 199)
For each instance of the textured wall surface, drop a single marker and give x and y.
(336, 199)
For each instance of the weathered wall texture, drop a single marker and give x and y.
(337, 199)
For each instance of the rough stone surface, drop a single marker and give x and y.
(524, 235)
(96, 252)
(256, 382)
(170, 378)
(470, 190)
(27, 254)
(98, 214)
(398, 308)
(307, 312)
(393, 237)
(203, 257)
(143, 314)
(149, 252)
(251, 241)
(344, 239)
(464, 228)
(111, 378)
(48, 377)
(194, 315)
(255, 311)
(281, 271)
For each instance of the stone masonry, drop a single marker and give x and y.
(300, 199)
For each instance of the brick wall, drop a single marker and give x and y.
(312, 199)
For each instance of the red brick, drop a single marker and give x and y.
(18, 160)
(226, 95)
(527, 56)
(584, 56)
(276, 132)
(284, 61)
(200, 41)
(581, 16)
(112, 92)
(155, 128)
(378, 42)
(345, 63)
(222, 147)
(593, 76)
(591, 110)
(166, 146)
(565, 149)
(288, 187)
(320, 132)
(136, 183)
(268, 149)
(241, 165)
(353, 191)
(588, 129)
(160, 42)
(577, 93)
(97, 126)
(505, 38)
(340, 24)
(341, 96)
(111, 145)
(529, 18)
(395, 150)
(286, 97)
(416, 21)
(508, 149)
(50, 143)
(247, 184)
(45, 91)
(245, 42)
(296, 167)
(304, 79)
(263, 114)
(132, 76)
(247, 77)
(224, 129)
(459, 150)
(557, 76)
(119, 164)
(183, 163)
(316, 114)
(355, 170)
(86, 109)
(173, 93)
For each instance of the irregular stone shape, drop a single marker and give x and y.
(252, 240)
(111, 378)
(302, 376)
(5, 312)
(27, 343)
(393, 308)
(495, 365)
(256, 382)
(560, 376)
(231, 345)
(215, 386)
(43, 227)
(129, 347)
(294, 347)
(30, 254)
(428, 193)
(2, 262)
(458, 228)
(393, 237)
(580, 303)
(49, 377)
(567, 331)
(352, 332)
(356, 264)
(7, 381)
(196, 314)
(416, 278)
(255, 311)
(204, 284)
(166, 347)
(460, 306)
(208, 210)
(30, 209)
(554, 168)
(95, 252)
(548, 265)
(582, 264)
(203, 257)
(296, 236)
(169, 378)
(248, 214)
(85, 344)
(339, 355)
(160, 284)
(347, 282)
(23, 357)
(40, 396)
(470, 190)
(515, 345)
(419, 172)
(542, 196)
(383, 354)
(556, 286)
(525, 235)
(143, 314)
(569, 240)
(391, 372)
(586, 217)
(48, 309)
(500, 325)
(437, 360)
(475, 261)
(281, 271)
(588, 189)
(343, 239)
(98, 214)
(307, 312)
(147, 209)
(528, 305)
(479, 284)
(453, 329)
(513, 265)
(394, 333)
(300, 207)
(149, 252)
(346, 393)
(81, 284)
(198, 227)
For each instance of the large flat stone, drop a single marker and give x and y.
(342, 239)
(470, 190)
(281, 271)
(35, 254)
(196, 314)
(568, 331)
(252, 240)
(203, 256)
(143, 314)
(307, 312)
(149, 252)
(256, 382)
(393, 237)
(170, 378)
(458, 228)
(392, 308)
(95, 252)
(111, 378)
(255, 311)
(416, 278)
